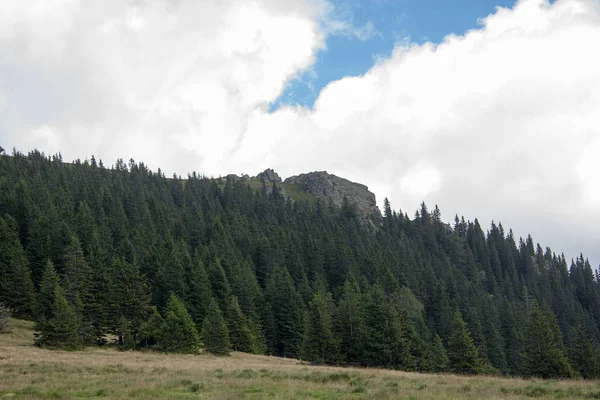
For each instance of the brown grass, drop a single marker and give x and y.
(27, 372)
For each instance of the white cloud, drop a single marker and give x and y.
(492, 124)
(501, 123)
(176, 81)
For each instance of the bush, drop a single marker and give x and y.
(5, 314)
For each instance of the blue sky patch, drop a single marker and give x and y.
(394, 20)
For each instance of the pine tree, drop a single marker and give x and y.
(77, 282)
(287, 311)
(179, 334)
(214, 331)
(126, 338)
(45, 298)
(319, 344)
(438, 356)
(150, 332)
(348, 322)
(543, 355)
(239, 332)
(129, 295)
(462, 354)
(384, 338)
(60, 328)
(582, 355)
(16, 286)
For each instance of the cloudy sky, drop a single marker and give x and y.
(488, 108)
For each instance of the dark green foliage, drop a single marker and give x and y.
(215, 335)
(240, 334)
(16, 286)
(543, 355)
(60, 329)
(463, 356)
(126, 338)
(582, 354)
(319, 343)
(286, 309)
(128, 295)
(178, 333)
(439, 357)
(45, 297)
(150, 332)
(384, 338)
(5, 315)
(348, 322)
(122, 240)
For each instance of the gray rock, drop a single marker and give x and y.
(268, 175)
(332, 187)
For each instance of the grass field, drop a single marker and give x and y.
(27, 372)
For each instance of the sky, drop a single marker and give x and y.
(488, 108)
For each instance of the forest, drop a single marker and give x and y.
(125, 256)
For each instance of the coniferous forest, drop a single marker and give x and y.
(125, 256)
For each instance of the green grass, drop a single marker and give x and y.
(27, 372)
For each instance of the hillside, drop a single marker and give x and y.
(288, 269)
(27, 372)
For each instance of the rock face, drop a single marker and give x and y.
(268, 175)
(332, 187)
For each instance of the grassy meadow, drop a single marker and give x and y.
(27, 372)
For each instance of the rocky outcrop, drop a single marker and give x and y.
(333, 187)
(268, 175)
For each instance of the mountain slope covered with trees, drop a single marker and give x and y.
(176, 264)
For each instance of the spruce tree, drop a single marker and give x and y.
(463, 356)
(126, 338)
(582, 355)
(179, 334)
(77, 282)
(150, 332)
(16, 286)
(319, 344)
(60, 329)
(45, 297)
(215, 335)
(438, 357)
(543, 355)
(129, 296)
(348, 322)
(239, 332)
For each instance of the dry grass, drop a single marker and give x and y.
(27, 372)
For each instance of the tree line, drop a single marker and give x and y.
(126, 255)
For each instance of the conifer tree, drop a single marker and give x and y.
(126, 339)
(45, 298)
(462, 354)
(77, 282)
(239, 332)
(215, 335)
(348, 322)
(384, 338)
(543, 355)
(60, 328)
(582, 355)
(179, 334)
(129, 295)
(16, 286)
(438, 357)
(199, 293)
(287, 311)
(319, 344)
(150, 332)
